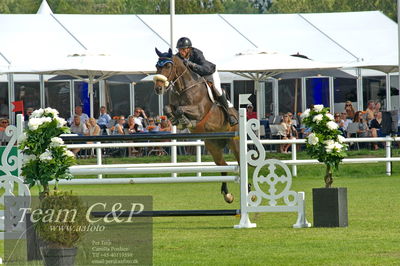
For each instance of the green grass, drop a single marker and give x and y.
(372, 238)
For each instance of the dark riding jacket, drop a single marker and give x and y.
(200, 65)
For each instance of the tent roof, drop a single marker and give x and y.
(326, 37)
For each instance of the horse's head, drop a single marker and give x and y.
(169, 69)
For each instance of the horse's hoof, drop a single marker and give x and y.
(229, 197)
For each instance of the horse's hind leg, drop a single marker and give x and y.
(214, 147)
(234, 147)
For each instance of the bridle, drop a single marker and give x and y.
(172, 82)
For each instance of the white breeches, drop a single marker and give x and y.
(214, 78)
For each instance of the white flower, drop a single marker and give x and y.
(312, 139)
(22, 138)
(333, 146)
(69, 153)
(330, 116)
(37, 113)
(34, 123)
(305, 114)
(49, 110)
(318, 118)
(318, 107)
(60, 121)
(55, 141)
(332, 125)
(46, 156)
(27, 158)
(341, 139)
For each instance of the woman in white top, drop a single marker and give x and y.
(93, 128)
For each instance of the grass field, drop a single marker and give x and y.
(372, 238)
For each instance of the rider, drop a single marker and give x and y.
(194, 59)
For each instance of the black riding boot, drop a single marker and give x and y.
(224, 103)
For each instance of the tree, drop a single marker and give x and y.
(388, 7)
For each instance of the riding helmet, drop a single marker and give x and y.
(183, 43)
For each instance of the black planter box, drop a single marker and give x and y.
(330, 207)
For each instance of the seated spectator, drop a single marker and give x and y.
(376, 125)
(288, 132)
(4, 124)
(346, 121)
(363, 130)
(119, 126)
(104, 119)
(377, 107)
(370, 111)
(77, 127)
(28, 113)
(340, 123)
(152, 126)
(349, 110)
(131, 126)
(250, 113)
(165, 124)
(78, 111)
(140, 119)
(93, 128)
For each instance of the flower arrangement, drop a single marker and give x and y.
(45, 156)
(325, 142)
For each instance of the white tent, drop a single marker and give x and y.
(326, 37)
(260, 65)
(88, 67)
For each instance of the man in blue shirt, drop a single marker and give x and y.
(103, 119)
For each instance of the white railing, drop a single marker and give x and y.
(198, 144)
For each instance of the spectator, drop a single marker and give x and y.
(376, 125)
(119, 127)
(370, 111)
(339, 121)
(78, 111)
(250, 113)
(4, 124)
(93, 128)
(28, 113)
(104, 119)
(140, 119)
(131, 125)
(165, 124)
(363, 130)
(377, 108)
(349, 109)
(78, 127)
(152, 127)
(346, 121)
(287, 132)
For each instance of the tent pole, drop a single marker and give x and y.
(388, 96)
(172, 14)
(398, 47)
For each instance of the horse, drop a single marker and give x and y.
(188, 96)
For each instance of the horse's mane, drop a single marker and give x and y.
(178, 61)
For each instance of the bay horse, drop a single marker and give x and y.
(188, 96)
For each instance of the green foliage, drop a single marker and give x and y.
(325, 143)
(388, 7)
(45, 156)
(61, 219)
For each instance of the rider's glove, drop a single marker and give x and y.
(189, 63)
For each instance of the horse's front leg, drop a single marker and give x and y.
(169, 112)
(185, 114)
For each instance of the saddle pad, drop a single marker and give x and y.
(210, 94)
